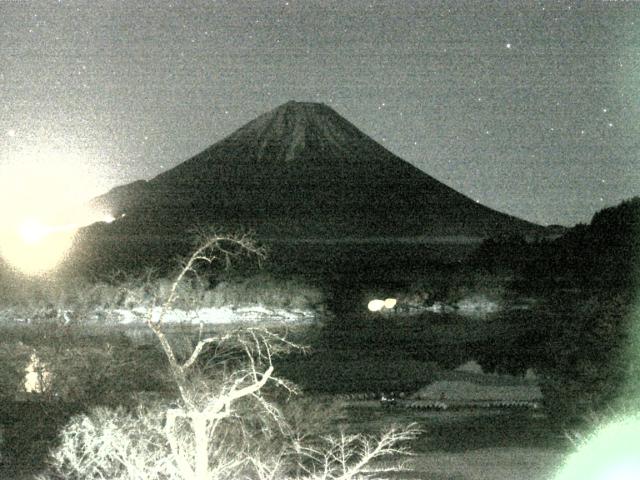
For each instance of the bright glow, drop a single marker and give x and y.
(375, 305)
(390, 303)
(37, 378)
(611, 453)
(32, 231)
(43, 192)
(35, 248)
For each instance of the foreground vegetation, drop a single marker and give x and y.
(580, 337)
(589, 277)
(216, 411)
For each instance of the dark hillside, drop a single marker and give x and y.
(601, 255)
(588, 280)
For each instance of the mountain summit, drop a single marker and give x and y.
(301, 171)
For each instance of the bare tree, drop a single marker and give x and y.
(205, 434)
(204, 408)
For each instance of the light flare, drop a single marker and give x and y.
(37, 377)
(377, 305)
(612, 452)
(32, 231)
(390, 303)
(44, 193)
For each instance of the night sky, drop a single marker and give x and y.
(531, 108)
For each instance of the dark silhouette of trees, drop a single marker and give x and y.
(588, 278)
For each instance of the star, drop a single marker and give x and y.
(508, 45)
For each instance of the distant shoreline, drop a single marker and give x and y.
(450, 240)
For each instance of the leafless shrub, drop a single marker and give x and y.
(267, 290)
(346, 457)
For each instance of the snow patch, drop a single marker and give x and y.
(212, 315)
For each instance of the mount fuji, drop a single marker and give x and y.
(302, 171)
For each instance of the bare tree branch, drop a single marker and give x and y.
(198, 349)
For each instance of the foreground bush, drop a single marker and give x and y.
(265, 290)
(81, 300)
(118, 444)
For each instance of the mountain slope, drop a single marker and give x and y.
(302, 171)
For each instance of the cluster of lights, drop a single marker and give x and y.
(376, 305)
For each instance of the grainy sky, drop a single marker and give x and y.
(532, 108)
